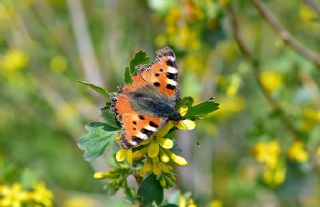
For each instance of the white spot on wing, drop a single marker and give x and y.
(150, 128)
(171, 58)
(134, 143)
(142, 136)
(172, 82)
(172, 69)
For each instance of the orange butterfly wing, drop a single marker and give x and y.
(136, 127)
(163, 75)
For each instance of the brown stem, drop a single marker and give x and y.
(285, 35)
(275, 105)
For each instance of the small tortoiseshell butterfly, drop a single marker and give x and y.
(147, 104)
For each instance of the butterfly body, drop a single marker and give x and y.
(147, 104)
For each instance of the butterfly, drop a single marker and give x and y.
(147, 104)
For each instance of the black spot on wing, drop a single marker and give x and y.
(146, 132)
(171, 63)
(171, 87)
(172, 76)
(151, 123)
(156, 84)
(136, 139)
(141, 117)
(134, 122)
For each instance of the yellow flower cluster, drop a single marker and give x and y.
(180, 35)
(116, 176)
(215, 203)
(13, 61)
(12, 64)
(307, 14)
(275, 176)
(16, 196)
(297, 152)
(183, 202)
(310, 118)
(271, 81)
(156, 149)
(268, 153)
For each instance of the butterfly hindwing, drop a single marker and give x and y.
(136, 127)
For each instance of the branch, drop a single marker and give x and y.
(285, 35)
(255, 63)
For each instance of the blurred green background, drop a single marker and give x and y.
(261, 148)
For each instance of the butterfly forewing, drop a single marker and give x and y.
(163, 73)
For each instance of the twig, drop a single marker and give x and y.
(285, 35)
(275, 105)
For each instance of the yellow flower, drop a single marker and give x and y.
(271, 81)
(42, 195)
(183, 202)
(12, 196)
(122, 154)
(275, 176)
(13, 61)
(185, 124)
(234, 85)
(155, 166)
(307, 14)
(229, 106)
(311, 118)
(267, 153)
(318, 151)
(100, 175)
(176, 158)
(297, 152)
(156, 141)
(215, 203)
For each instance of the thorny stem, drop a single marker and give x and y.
(255, 63)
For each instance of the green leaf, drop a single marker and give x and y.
(139, 58)
(99, 137)
(127, 75)
(202, 109)
(186, 101)
(110, 118)
(150, 191)
(96, 88)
